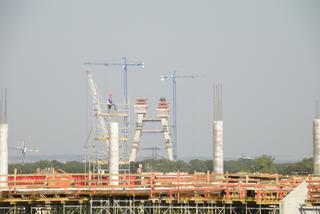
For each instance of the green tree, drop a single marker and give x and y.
(73, 167)
(43, 164)
(231, 166)
(198, 165)
(182, 166)
(264, 164)
(307, 165)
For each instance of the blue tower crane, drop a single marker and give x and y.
(173, 77)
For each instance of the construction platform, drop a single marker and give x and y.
(313, 187)
(145, 193)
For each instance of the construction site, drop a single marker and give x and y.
(116, 190)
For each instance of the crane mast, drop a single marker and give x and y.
(173, 77)
(98, 110)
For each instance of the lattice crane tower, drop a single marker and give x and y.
(101, 127)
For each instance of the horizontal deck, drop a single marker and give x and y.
(181, 187)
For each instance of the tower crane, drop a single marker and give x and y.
(23, 148)
(98, 110)
(124, 64)
(173, 77)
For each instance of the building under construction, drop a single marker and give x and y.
(145, 193)
(176, 192)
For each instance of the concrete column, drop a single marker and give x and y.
(3, 155)
(218, 147)
(114, 153)
(316, 146)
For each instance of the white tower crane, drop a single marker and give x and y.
(97, 108)
(24, 149)
(124, 64)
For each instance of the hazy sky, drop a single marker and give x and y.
(265, 53)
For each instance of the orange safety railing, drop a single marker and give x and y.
(313, 185)
(201, 186)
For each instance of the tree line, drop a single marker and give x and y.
(262, 164)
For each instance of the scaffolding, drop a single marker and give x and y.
(313, 202)
(112, 116)
(145, 193)
(129, 206)
(103, 114)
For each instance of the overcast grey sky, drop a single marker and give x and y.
(265, 53)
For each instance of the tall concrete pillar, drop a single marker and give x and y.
(316, 146)
(218, 147)
(3, 155)
(114, 153)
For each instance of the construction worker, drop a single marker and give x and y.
(109, 103)
(140, 177)
(139, 170)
